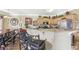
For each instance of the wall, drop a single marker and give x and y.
(1, 24)
(7, 25)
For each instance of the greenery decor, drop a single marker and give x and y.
(67, 13)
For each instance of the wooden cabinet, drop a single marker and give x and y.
(75, 38)
(53, 21)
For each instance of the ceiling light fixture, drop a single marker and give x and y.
(50, 10)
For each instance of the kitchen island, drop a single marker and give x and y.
(55, 40)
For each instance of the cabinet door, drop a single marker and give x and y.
(69, 24)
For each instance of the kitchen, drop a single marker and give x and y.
(53, 27)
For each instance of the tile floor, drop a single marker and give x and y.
(13, 47)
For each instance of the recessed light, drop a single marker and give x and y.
(50, 10)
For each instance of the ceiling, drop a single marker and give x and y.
(34, 12)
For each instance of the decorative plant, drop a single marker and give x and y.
(45, 17)
(53, 17)
(60, 15)
(26, 24)
(67, 13)
(39, 16)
